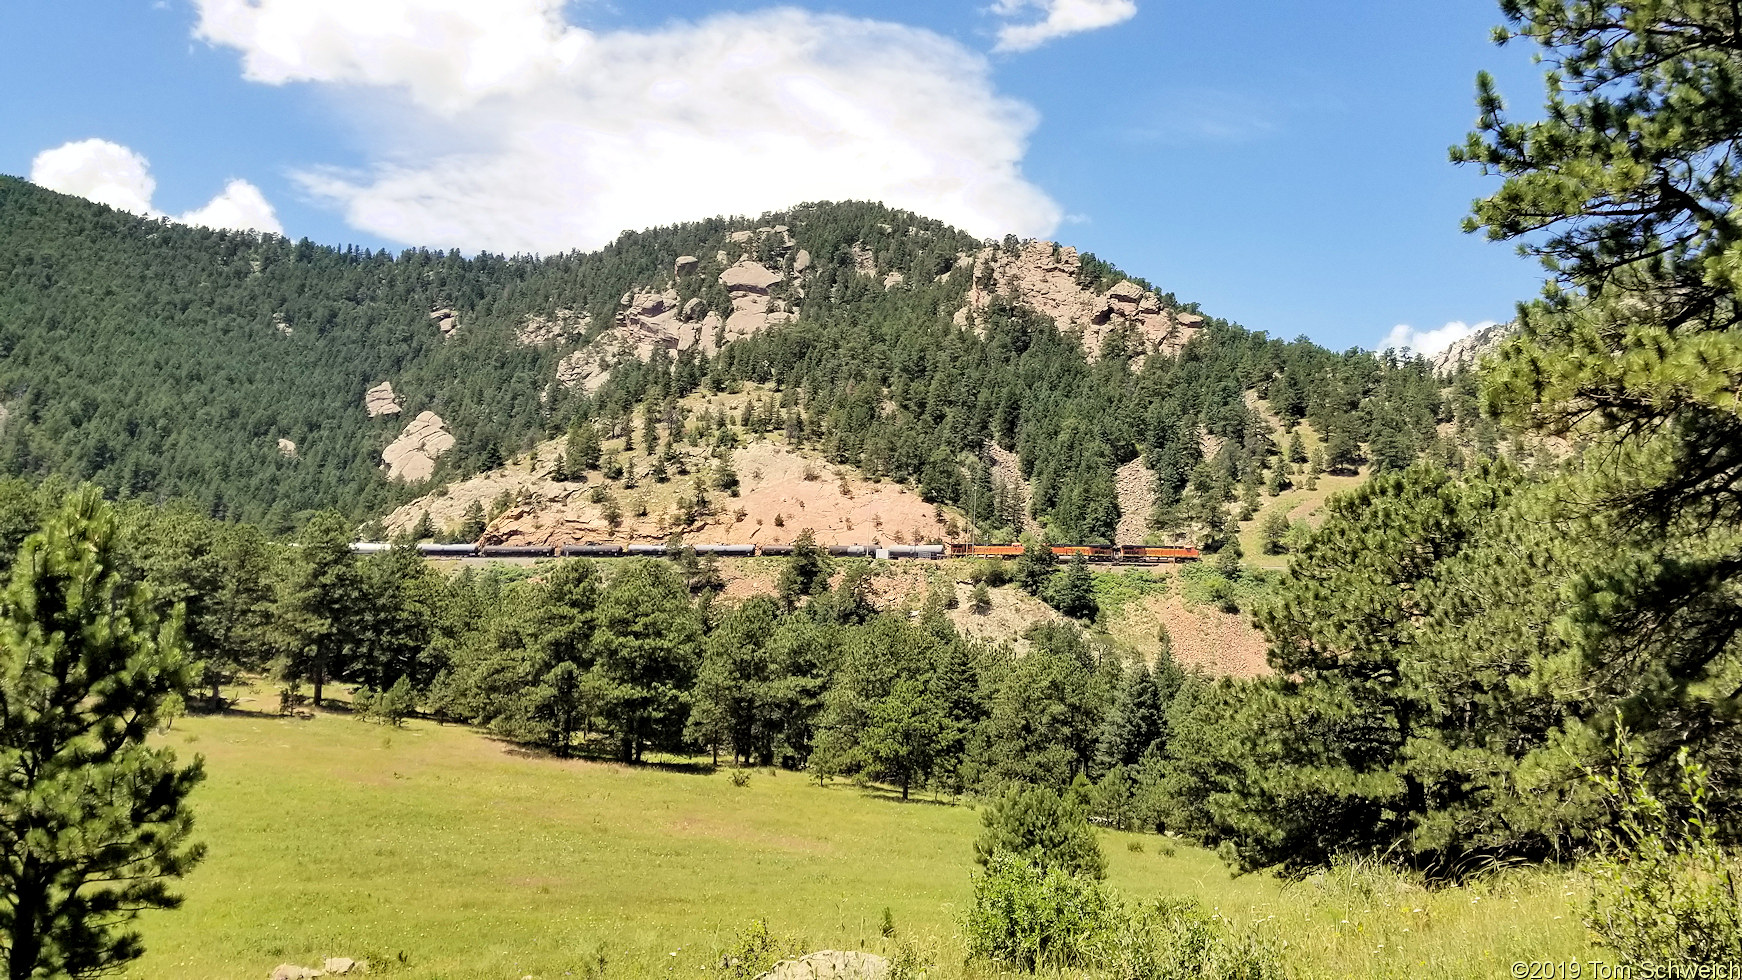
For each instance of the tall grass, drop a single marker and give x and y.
(436, 852)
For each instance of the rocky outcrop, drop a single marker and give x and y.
(750, 277)
(651, 319)
(446, 320)
(749, 284)
(287, 449)
(281, 326)
(831, 964)
(1471, 349)
(562, 326)
(1044, 277)
(335, 966)
(379, 400)
(412, 456)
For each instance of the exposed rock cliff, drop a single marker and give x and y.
(1045, 277)
(412, 456)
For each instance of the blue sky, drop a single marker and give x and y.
(1282, 163)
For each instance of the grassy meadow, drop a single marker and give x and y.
(438, 852)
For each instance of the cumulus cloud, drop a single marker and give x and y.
(241, 205)
(495, 124)
(1057, 19)
(112, 174)
(98, 170)
(1430, 342)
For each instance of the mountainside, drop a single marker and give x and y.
(1015, 381)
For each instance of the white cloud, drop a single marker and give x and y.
(494, 124)
(1061, 17)
(1430, 342)
(112, 174)
(241, 205)
(99, 170)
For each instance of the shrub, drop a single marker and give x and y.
(1665, 890)
(1174, 939)
(1033, 918)
(981, 603)
(992, 571)
(1035, 825)
(755, 950)
(740, 777)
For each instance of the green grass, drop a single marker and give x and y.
(332, 837)
(1115, 590)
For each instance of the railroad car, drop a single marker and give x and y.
(774, 550)
(591, 550)
(1091, 550)
(1148, 553)
(447, 550)
(726, 550)
(517, 551)
(963, 550)
(647, 549)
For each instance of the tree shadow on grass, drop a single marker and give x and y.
(521, 750)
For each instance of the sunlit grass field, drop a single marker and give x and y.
(435, 851)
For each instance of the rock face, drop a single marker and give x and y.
(1471, 349)
(412, 456)
(560, 327)
(653, 319)
(379, 400)
(831, 964)
(446, 320)
(1043, 276)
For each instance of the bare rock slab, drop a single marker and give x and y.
(831, 964)
(380, 400)
(412, 456)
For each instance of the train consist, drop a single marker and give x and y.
(1095, 552)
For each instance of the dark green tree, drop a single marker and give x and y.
(325, 602)
(582, 452)
(1035, 825)
(648, 648)
(1034, 567)
(93, 819)
(806, 571)
(1073, 591)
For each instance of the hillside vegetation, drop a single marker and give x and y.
(232, 369)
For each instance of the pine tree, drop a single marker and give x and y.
(583, 451)
(472, 525)
(1626, 189)
(1135, 723)
(424, 529)
(1073, 592)
(1034, 567)
(1271, 532)
(1034, 825)
(1297, 453)
(325, 603)
(94, 818)
(649, 645)
(806, 571)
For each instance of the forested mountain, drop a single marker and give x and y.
(165, 361)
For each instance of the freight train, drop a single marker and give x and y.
(1094, 552)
